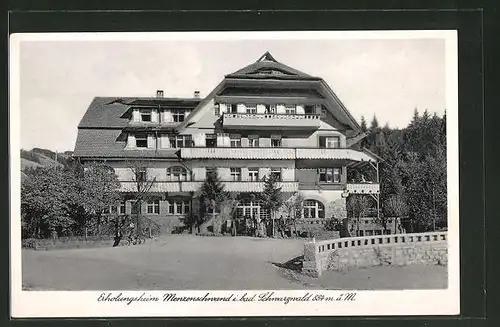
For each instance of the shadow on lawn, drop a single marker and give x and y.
(294, 264)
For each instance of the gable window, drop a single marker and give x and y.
(178, 116)
(211, 140)
(235, 140)
(251, 108)
(290, 109)
(236, 174)
(275, 141)
(153, 207)
(253, 141)
(329, 142)
(145, 115)
(141, 141)
(329, 175)
(276, 174)
(253, 174)
(180, 141)
(210, 172)
(177, 174)
(178, 207)
(314, 209)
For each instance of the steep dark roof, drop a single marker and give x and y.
(267, 62)
(108, 143)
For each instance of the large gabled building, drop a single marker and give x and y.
(264, 119)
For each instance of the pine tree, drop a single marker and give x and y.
(363, 126)
(212, 195)
(271, 198)
(374, 124)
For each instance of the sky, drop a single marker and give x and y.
(59, 79)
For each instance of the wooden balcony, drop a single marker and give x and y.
(237, 153)
(243, 186)
(333, 154)
(158, 186)
(271, 121)
(363, 188)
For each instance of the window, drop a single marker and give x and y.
(122, 208)
(290, 109)
(178, 207)
(180, 141)
(232, 108)
(275, 141)
(329, 142)
(211, 140)
(235, 140)
(210, 172)
(153, 207)
(314, 209)
(145, 115)
(309, 110)
(330, 175)
(236, 174)
(141, 174)
(177, 174)
(253, 141)
(217, 110)
(141, 141)
(276, 174)
(251, 108)
(253, 174)
(135, 207)
(178, 115)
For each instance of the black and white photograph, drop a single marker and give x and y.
(255, 173)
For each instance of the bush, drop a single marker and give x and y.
(30, 243)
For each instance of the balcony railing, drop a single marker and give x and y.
(242, 120)
(363, 188)
(157, 186)
(238, 153)
(243, 186)
(332, 153)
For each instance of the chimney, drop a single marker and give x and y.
(159, 93)
(196, 94)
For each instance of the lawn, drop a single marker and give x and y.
(184, 262)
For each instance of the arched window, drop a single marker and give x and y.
(313, 209)
(177, 174)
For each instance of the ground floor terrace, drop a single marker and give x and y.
(188, 262)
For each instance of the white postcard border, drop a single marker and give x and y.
(86, 304)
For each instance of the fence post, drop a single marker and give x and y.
(311, 264)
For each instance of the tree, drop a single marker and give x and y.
(394, 207)
(212, 195)
(227, 208)
(363, 126)
(143, 182)
(356, 206)
(293, 208)
(98, 189)
(374, 124)
(271, 198)
(47, 201)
